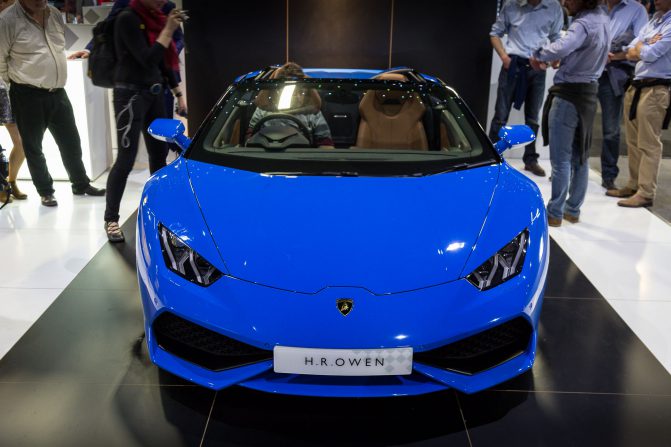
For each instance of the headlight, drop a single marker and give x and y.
(505, 264)
(181, 259)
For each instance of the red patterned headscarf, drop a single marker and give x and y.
(154, 21)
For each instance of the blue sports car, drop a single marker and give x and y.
(342, 233)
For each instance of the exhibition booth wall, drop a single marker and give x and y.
(449, 40)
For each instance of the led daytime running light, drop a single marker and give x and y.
(184, 261)
(504, 265)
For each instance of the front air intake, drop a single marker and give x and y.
(202, 346)
(481, 351)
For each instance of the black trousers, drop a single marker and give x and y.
(134, 111)
(35, 111)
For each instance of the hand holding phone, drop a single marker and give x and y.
(183, 15)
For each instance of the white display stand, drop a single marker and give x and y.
(90, 109)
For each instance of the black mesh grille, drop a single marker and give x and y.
(481, 351)
(202, 346)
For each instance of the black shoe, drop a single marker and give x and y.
(536, 169)
(49, 200)
(89, 191)
(608, 183)
(114, 233)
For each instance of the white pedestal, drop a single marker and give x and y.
(90, 109)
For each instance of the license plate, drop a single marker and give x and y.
(343, 362)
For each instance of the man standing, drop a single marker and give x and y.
(647, 105)
(571, 105)
(528, 24)
(627, 18)
(32, 58)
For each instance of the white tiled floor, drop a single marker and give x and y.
(43, 249)
(625, 253)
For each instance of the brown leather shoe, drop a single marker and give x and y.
(571, 218)
(16, 192)
(536, 169)
(622, 192)
(635, 201)
(554, 222)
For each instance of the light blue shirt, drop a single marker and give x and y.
(583, 51)
(627, 18)
(656, 58)
(528, 27)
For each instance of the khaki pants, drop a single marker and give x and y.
(643, 135)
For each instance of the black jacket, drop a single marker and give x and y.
(139, 63)
(583, 96)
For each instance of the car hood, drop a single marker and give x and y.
(306, 233)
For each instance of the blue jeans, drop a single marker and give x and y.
(569, 174)
(611, 119)
(532, 106)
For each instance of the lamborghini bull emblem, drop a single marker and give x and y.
(345, 305)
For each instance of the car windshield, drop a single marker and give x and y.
(342, 127)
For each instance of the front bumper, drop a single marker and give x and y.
(262, 317)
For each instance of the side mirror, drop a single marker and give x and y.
(512, 136)
(170, 131)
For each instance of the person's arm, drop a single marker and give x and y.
(638, 22)
(119, 5)
(171, 24)
(321, 132)
(127, 32)
(170, 76)
(557, 25)
(657, 47)
(256, 117)
(574, 38)
(178, 36)
(5, 45)
(634, 49)
(499, 29)
(497, 44)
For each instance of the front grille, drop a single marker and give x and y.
(202, 346)
(481, 351)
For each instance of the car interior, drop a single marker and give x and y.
(384, 118)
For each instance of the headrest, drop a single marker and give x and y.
(290, 70)
(385, 97)
(391, 77)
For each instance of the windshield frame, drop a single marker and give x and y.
(400, 166)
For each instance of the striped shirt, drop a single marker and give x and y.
(315, 122)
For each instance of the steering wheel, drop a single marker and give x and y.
(284, 116)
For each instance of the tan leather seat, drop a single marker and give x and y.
(391, 119)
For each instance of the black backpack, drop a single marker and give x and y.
(102, 60)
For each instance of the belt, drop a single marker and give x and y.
(154, 89)
(640, 84)
(32, 87)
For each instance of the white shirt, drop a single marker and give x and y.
(30, 54)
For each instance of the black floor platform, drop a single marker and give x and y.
(81, 377)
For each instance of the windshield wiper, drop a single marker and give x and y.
(319, 173)
(462, 166)
(340, 173)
